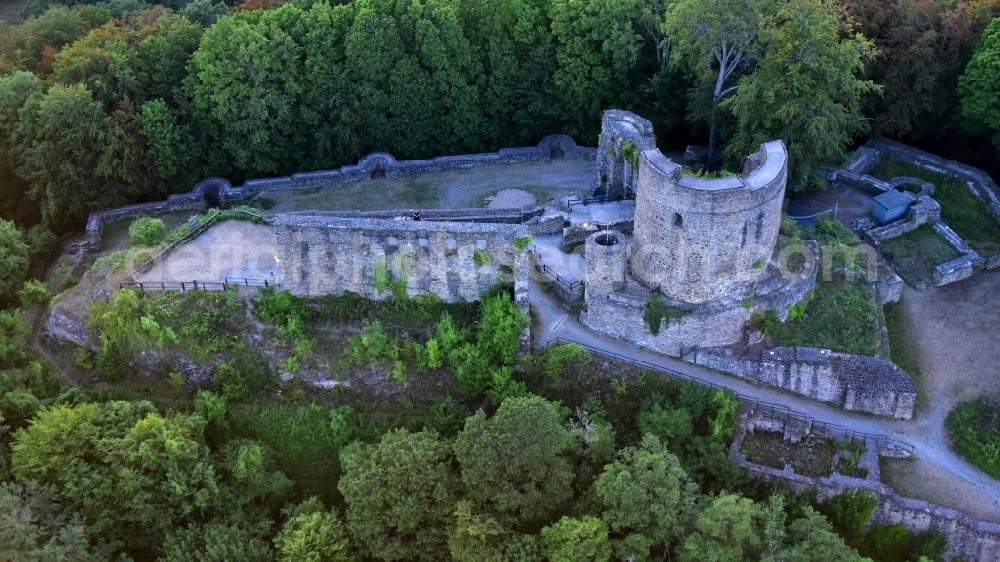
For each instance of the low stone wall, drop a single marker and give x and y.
(925, 210)
(959, 268)
(853, 382)
(978, 181)
(971, 539)
(380, 164)
(576, 234)
(889, 285)
(219, 191)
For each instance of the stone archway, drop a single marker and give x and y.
(211, 194)
(378, 172)
(556, 152)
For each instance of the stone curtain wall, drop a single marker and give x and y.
(552, 147)
(614, 172)
(853, 382)
(702, 240)
(322, 254)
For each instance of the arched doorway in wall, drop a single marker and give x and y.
(378, 172)
(556, 152)
(211, 194)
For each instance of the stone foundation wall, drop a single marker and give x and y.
(971, 539)
(979, 182)
(322, 254)
(619, 312)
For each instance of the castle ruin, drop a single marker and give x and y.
(702, 249)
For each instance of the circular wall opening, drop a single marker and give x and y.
(606, 240)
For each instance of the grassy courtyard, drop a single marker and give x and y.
(915, 254)
(839, 315)
(960, 209)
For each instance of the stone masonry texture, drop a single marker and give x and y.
(701, 240)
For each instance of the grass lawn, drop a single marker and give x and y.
(114, 235)
(915, 254)
(840, 315)
(813, 456)
(974, 429)
(902, 346)
(378, 194)
(960, 209)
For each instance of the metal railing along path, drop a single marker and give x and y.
(185, 286)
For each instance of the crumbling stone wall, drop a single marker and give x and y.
(624, 135)
(853, 382)
(702, 240)
(971, 539)
(979, 182)
(324, 254)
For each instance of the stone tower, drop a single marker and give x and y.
(624, 136)
(707, 240)
(605, 263)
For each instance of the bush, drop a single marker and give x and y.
(248, 375)
(974, 428)
(146, 231)
(849, 511)
(562, 359)
(34, 292)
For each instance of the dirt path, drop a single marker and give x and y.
(954, 330)
(954, 480)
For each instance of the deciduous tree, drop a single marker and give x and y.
(573, 539)
(979, 86)
(530, 486)
(13, 261)
(647, 498)
(400, 494)
(805, 89)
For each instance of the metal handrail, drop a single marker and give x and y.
(750, 400)
(184, 286)
(162, 254)
(562, 281)
(595, 200)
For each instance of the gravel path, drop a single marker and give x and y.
(554, 322)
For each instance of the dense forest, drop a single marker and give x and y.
(548, 455)
(120, 101)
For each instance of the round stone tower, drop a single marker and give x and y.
(701, 240)
(606, 258)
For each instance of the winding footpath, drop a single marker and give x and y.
(925, 434)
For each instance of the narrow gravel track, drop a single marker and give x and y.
(926, 435)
